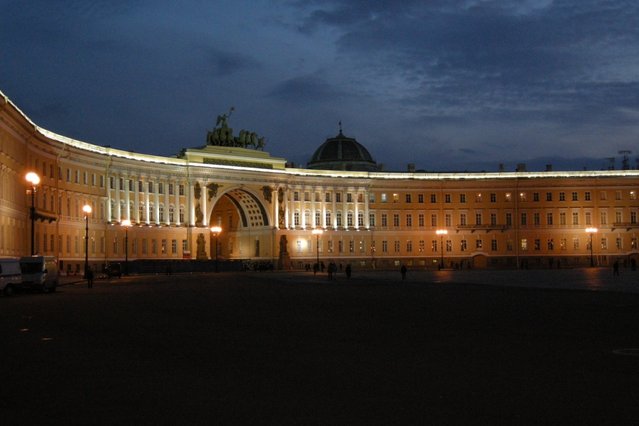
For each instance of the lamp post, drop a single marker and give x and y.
(34, 180)
(87, 211)
(317, 232)
(591, 231)
(215, 230)
(126, 223)
(441, 233)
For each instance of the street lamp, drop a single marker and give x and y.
(591, 231)
(127, 224)
(87, 211)
(441, 233)
(215, 230)
(34, 180)
(317, 232)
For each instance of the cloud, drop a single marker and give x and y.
(306, 89)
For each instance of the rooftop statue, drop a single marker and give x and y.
(222, 135)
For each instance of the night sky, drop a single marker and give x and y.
(448, 85)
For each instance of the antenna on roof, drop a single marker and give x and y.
(340, 126)
(625, 162)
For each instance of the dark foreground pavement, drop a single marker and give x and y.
(277, 348)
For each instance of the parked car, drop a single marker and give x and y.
(113, 270)
(39, 272)
(10, 275)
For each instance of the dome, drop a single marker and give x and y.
(342, 153)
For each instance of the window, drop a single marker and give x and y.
(296, 218)
(327, 217)
(478, 244)
(588, 218)
(448, 218)
(338, 197)
(509, 219)
(493, 219)
(478, 218)
(463, 245)
(396, 220)
(537, 244)
(395, 198)
(181, 189)
(478, 198)
(338, 219)
(524, 219)
(548, 218)
(409, 220)
(633, 195)
(536, 219)
(433, 198)
(433, 245)
(562, 196)
(408, 198)
(493, 245)
(587, 195)
(296, 196)
(174, 247)
(603, 218)
(524, 244)
(360, 219)
(384, 246)
(522, 196)
(318, 218)
(349, 197)
(384, 219)
(548, 196)
(575, 218)
(384, 198)
(462, 219)
(371, 219)
(420, 198)
(462, 198)
(349, 219)
(397, 246)
(433, 220)
(535, 196)
(327, 197)
(409, 246)
(562, 218)
(447, 198)
(508, 197)
(575, 196)
(493, 197)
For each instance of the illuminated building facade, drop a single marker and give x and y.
(267, 211)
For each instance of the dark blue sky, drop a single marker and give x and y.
(444, 84)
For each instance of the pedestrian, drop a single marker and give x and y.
(89, 277)
(330, 271)
(615, 268)
(403, 271)
(348, 271)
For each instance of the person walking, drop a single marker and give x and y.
(348, 271)
(403, 271)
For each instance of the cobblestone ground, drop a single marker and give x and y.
(442, 347)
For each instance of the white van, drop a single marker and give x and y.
(39, 272)
(10, 275)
